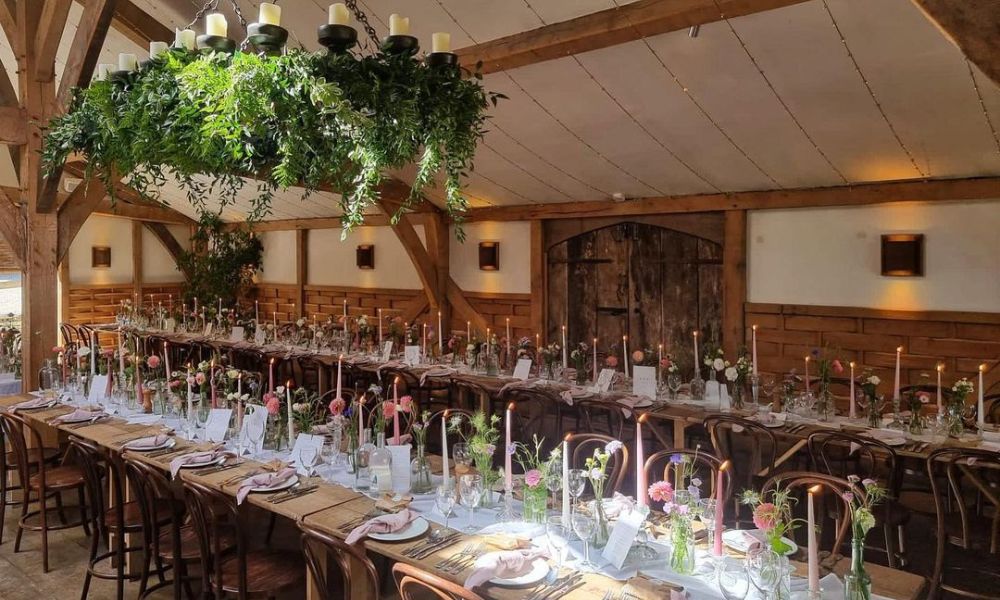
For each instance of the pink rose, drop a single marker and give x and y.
(153, 362)
(337, 406)
(273, 406)
(58, 349)
(199, 378)
(664, 363)
(638, 356)
(406, 403)
(175, 383)
(837, 367)
(532, 477)
(661, 491)
(611, 362)
(765, 516)
(388, 409)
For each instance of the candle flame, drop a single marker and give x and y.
(940, 367)
(288, 383)
(754, 327)
(396, 382)
(816, 489)
(642, 418)
(444, 415)
(852, 364)
(807, 358)
(695, 333)
(899, 349)
(272, 360)
(982, 368)
(511, 407)
(724, 466)
(567, 437)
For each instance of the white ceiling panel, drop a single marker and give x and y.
(923, 83)
(719, 76)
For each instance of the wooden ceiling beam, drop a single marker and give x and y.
(170, 243)
(81, 60)
(13, 126)
(139, 26)
(13, 223)
(972, 26)
(849, 195)
(414, 247)
(47, 37)
(75, 211)
(626, 23)
(141, 212)
(8, 22)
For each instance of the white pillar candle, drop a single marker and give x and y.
(340, 361)
(595, 360)
(445, 467)
(215, 24)
(980, 407)
(697, 359)
(157, 48)
(339, 14)
(940, 369)
(441, 42)
(625, 354)
(440, 336)
(185, 38)
(288, 400)
(103, 70)
(508, 474)
(127, 62)
(753, 338)
(565, 361)
(640, 467)
(399, 25)
(270, 14)
(813, 544)
(854, 414)
(565, 480)
(895, 388)
(807, 374)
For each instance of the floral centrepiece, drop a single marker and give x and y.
(596, 467)
(772, 514)
(536, 472)
(862, 499)
(482, 443)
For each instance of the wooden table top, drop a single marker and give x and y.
(332, 505)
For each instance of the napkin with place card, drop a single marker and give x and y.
(390, 523)
(34, 403)
(80, 415)
(436, 372)
(505, 564)
(153, 441)
(195, 457)
(506, 541)
(393, 503)
(263, 480)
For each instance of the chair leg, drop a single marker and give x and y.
(60, 510)
(84, 512)
(3, 496)
(901, 532)
(25, 500)
(890, 553)
(270, 528)
(43, 522)
(120, 563)
(95, 540)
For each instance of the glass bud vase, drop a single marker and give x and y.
(602, 528)
(682, 552)
(48, 375)
(857, 583)
(697, 387)
(535, 502)
(420, 473)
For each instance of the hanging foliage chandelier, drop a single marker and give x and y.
(214, 114)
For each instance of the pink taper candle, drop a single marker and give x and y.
(720, 509)
(445, 467)
(395, 412)
(854, 414)
(940, 369)
(640, 466)
(270, 376)
(895, 388)
(813, 544)
(507, 455)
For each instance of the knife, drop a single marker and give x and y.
(433, 547)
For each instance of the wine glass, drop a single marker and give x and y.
(768, 384)
(553, 481)
(584, 526)
(255, 434)
(463, 457)
(673, 384)
(307, 458)
(557, 533)
(576, 483)
(201, 420)
(734, 582)
(763, 566)
(445, 502)
(707, 516)
(470, 488)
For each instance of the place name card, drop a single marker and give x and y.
(400, 483)
(254, 427)
(644, 382)
(217, 424)
(259, 336)
(170, 325)
(98, 389)
(411, 355)
(604, 380)
(386, 351)
(624, 533)
(302, 442)
(237, 334)
(522, 369)
(208, 329)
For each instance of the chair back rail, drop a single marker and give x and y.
(582, 446)
(833, 490)
(660, 467)
(416, 584)
(316, 544)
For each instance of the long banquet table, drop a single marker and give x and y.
(332, 505)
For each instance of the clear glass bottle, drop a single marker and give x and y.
(362, 462)
(48, 376)
(380, 465)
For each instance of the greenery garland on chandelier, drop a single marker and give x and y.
(332, 120)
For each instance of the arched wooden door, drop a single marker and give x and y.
(655, 285)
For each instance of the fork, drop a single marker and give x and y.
(465, 562)
(466, 551)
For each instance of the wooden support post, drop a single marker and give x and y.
(538, 291)
(137, 259)
(439, 247)
(64, 283)
(301, 269)
(734, 281)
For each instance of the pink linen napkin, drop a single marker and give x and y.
(28, 404)
(262, 480)
(194, 457)
(79, 415)
(505, 564)
(628, 403)
(148, 442)
(390, 523)
(616, 505)
(436, 372)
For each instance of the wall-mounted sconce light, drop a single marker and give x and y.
(366, 256)
(489, 256)
(100, 257)
(903, 255)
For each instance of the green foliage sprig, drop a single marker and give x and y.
(221, 262)
(316, 120)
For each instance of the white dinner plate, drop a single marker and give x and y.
(218, 460)
(890, 441)
(514, 528)
(580, 393)
(643, 403)
(536, 572)
(741, 539)
(67, 421)
(170, 443)
(42, 407)
(415, 529)
(277, 487)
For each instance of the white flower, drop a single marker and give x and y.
(232, 373)
(874, 380)
(83, 351)
(731, 373)
(299, 407)
(596, 474)
(279, 390)
(613, 446)
(300, 322)
(718, 364)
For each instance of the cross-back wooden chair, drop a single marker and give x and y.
(434, 430)
(416, 584)
(970, 528)
(213, 515)
(992, 404)
(317, 545)
(830, 504)
(752, 450)
(661, 466)
(843, 454)
(472, 396)
(9, 464)
(536, 413)
(582, 446)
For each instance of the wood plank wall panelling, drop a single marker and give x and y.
(961, 340)
(90, 304)
(326, 300)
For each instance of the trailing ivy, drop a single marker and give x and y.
(303, 119)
